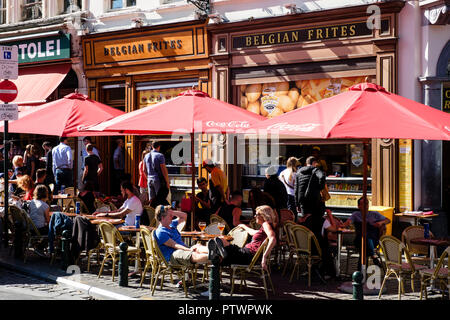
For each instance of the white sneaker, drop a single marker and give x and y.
(205, 293)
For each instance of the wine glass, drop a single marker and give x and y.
(202, 225)
(221, 226)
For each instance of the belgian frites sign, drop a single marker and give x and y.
(144, 47)
(446, 99)
(305, 34)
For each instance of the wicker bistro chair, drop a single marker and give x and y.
(239, 235)
(151, 261)
(181, 226)
(17, 215)
(393, 250)
(288, 243)
(439, 274)
(112, 238)
(34, 237)
(214, 218)
(161, 267)
(419, 253)
(303, 240)
(212, 229)
(253, 268)
(150, 211)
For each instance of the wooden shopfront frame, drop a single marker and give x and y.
(147, 54)
(379, 45)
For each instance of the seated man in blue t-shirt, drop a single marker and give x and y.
(376, 223)
(172, 247)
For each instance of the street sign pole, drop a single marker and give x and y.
(5, 177)
(9, 66)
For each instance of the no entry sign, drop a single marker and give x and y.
(8, 91)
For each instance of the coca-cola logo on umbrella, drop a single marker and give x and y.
(230, 124)
(305, 127)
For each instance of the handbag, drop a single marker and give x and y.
(307, 192)
(325, 194)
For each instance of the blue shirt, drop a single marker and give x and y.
(62, 157)
(153, 161)
(162, 234)
(119, 158)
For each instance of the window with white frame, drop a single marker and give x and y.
(71, 6)
(31, 9)
(3, 11)
(119, 4)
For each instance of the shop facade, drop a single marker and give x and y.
(424, 76)
(135, 68)
(274, 65)
(50, 64)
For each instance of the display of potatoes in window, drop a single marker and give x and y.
(275, 98)
(150, 97)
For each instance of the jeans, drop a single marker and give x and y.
(63, 178)
(153, 184)
(291, 205)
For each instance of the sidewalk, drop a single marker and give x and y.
(105, 288)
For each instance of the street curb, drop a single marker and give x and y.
(85, 288)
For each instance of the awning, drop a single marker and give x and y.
(35, 84)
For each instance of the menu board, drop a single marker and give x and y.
(273, 99)
(405, 175)
(150, 97)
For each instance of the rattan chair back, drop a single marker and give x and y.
(159, 257)
(258, 254)
(239, 235)
(304, 240)
(214, 218)
(181, 226)
(212, 229)
(411, 233)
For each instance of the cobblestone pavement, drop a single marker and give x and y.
(17, 286)
(284, 290)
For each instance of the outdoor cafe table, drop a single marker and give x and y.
(133, 229)
(202, 236)
(340, 232)
(432, 243)
(61, 197)
(417, 215)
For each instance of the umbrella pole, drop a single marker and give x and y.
(193, 181)
(364, 211)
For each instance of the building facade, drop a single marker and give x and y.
(424, 57)
(300, 54)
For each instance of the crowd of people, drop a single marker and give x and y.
(299, 187)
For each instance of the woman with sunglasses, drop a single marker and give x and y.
(233, 254)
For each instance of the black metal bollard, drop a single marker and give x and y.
(65, 250)
(214, 281)
(18, 240)
(358, 293)
(123, 265)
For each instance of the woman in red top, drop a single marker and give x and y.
(26, 183)
(265, 217)
(142, 176)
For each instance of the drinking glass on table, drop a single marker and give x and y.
(221, 226)
(202, 225)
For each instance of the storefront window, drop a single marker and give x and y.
(342, 163)
(273, 99)
(2, 11)
(150, 93)
(119, 4)
(31, 9)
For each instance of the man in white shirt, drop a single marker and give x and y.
(131, 208)
(62, 164)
